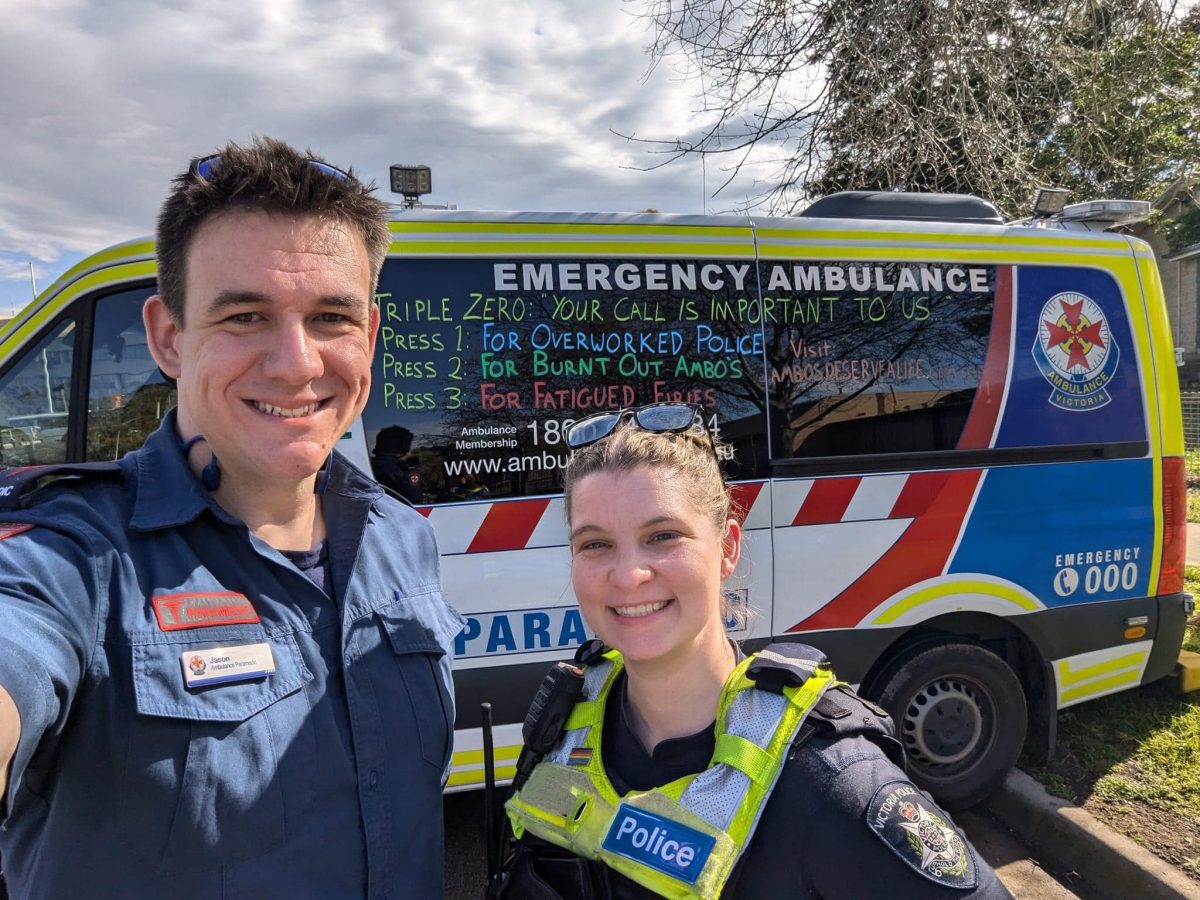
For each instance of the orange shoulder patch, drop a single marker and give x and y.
(10, 529)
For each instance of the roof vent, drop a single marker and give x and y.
(905, 205)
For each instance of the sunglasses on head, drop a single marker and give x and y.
(208, 166)
(660, 418)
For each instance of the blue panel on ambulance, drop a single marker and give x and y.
(1074, 370)
(1068, 532)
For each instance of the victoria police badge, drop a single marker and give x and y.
(1075, 351)
(921, 835)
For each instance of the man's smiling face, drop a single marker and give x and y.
(273, 358)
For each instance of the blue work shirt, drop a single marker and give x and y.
(322, 779)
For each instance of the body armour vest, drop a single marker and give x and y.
(684, 838)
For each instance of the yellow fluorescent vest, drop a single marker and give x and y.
(684, 838)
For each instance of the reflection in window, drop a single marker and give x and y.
(880, 371)
(34, 402)
(127, 394)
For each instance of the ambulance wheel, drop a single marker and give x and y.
(960, 712)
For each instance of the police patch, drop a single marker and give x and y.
(663, 844)
(921, 835)
(12, 529)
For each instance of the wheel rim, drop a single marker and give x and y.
(943, 724)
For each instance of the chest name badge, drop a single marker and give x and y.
(658, 842)
(216, 665)
(178, 611)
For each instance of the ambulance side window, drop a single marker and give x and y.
(35, 401)
(127, 394)
(879, 358)
(482, 365)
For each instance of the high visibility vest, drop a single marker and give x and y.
(684, 838)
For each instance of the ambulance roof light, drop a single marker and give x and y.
(1050, 210)
(411, 181)
(1112, 212)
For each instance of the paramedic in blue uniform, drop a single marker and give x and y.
(652, 538)
(224, 662)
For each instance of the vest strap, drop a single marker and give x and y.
(585, 714)
(785, 665)
(745, 756)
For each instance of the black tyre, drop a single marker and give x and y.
(960, 712)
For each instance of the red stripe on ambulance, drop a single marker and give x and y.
(827, 501)
(508, 526)
(744, 495)
(920, 553)
(980, 429)
(919, 492)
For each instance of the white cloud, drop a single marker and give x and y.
(513, 104)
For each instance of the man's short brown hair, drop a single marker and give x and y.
(265, 176)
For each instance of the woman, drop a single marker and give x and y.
(686, 769)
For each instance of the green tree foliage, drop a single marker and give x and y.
(1128, 124)
(991, 97)
(1180, 232)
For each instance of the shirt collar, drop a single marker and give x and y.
(169, 493)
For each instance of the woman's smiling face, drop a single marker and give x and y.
(647, 563)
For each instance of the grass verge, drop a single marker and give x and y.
(1133, 760)
(1192, 466)
(1191, 462)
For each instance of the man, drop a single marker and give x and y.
(224, 661)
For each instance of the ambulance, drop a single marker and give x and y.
(957, 442)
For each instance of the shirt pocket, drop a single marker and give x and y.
(425, 701)
(212, 772)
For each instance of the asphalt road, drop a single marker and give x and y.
(1027, 875)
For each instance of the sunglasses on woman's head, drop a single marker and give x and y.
(659, 418)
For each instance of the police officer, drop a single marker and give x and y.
(224, 660)
(684, 768)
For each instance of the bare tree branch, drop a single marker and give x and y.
(990, 97)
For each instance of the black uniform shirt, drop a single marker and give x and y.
(815, 838)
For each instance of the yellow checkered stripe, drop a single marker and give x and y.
(1089, 675)
(504, 239)
(49, 305)
(467, 766)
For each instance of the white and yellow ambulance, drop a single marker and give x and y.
(957, 443)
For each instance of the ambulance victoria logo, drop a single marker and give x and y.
(1074, 351)
(663, 844)
(196, 664)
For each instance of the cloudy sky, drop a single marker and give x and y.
(513, 104)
